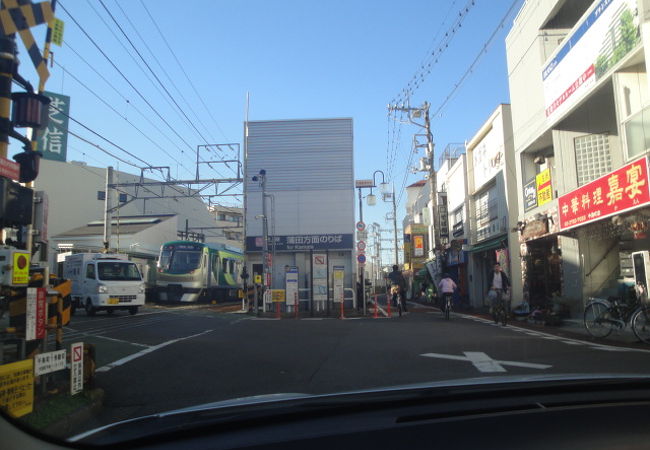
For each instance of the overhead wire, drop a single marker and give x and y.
(189, 80)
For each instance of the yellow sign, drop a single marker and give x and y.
(544, 187)
(339, 274)
(240, 293)
(258, 279)
(17, 387)
(277, 295)
(20, 272)
(57, 32)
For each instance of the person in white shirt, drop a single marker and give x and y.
(498, 282)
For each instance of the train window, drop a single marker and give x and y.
(215, 266)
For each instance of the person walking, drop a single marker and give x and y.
(398, 281)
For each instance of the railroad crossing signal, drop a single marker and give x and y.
(15, 18)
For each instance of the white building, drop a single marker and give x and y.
(579, 92)
(76, 194)
(492, 188)
(310, 203)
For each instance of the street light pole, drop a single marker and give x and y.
(362, 269)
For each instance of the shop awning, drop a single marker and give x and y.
(489, 244)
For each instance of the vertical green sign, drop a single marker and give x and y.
(53, 140)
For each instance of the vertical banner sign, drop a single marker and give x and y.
(35, 312)
(544, 188)
(17, 387)
(76, 368)
(53, 140)
(418, 245)
(319, 277)
(291, 285)
(530, 195)
(339, 277)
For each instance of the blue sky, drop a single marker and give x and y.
(297, 58)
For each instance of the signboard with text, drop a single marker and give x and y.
(9, 169)
(543, 187)
(605, 35)
(530, 195)
(35, 313)
(49, 362)
(339, 277)
(620, 191)
(291, 285)
(303, 242)
(17, 387)
(319, 276)
(53, 140)
(76, 368)
(418, 245)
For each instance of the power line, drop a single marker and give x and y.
(162, 68)
(189, 80)
(152, 71)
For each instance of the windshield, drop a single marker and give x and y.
(319, 197)
(109, 271)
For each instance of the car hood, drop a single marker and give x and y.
(280, 401)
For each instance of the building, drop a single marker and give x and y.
(492, 190)
(230, 221)
(309, 189)
(76, 196)
(579, 92)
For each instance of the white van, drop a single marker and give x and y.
(102, 281)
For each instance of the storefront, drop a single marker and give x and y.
(484, 256)
(457, 269)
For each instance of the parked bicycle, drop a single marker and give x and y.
(603, 316)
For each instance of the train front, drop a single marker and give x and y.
(181, 272)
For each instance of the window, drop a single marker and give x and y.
(486, 207)
(637, 133)
(90, 271)
(221, 216)
(118, 271)
(457, 216)
(101, 195)
(593, 159)
(123, 198)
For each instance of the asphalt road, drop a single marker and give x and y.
(167, 358)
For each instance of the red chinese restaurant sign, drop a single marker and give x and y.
(624, 189)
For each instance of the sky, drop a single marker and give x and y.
(295, 58)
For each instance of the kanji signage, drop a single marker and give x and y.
(76, 368)
(544, 188)
(303, 242)
(49, 362)
(53, 140)
(35, 313)
(622, 190)
(17, 387)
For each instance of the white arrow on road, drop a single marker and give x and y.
(484, 363)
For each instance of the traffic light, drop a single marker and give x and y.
(29, 162)
(16, 204)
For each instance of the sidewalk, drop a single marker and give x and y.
(569, 328)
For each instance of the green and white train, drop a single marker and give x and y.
(196, 272)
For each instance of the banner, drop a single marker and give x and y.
(53, 140)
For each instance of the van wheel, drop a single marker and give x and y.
(90, 309)
(133, 310)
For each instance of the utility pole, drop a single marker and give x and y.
(433, 184)
(108, 207)
(362, 269)
(395, 226)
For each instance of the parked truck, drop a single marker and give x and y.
(104, 282)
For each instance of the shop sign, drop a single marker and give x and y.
(530, 195)
(622, 190)
(418, 245)
(303, 242)
(535, 228)
(444, 215)
(544, 188)
(458, 229)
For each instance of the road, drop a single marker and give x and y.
(167, 358)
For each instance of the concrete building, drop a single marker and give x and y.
(230, 221)
(579, 92)
(310, 203)
(492, 189)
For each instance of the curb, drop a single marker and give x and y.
(67, 425)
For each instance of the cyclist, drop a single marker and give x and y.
(446, 287)
(398, 286)
(499, 283)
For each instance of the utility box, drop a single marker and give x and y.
(14, 267)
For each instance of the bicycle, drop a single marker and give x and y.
(446, 304)
(397, 294)
(602, 316)
(499, 310)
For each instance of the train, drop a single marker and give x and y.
(191, 272)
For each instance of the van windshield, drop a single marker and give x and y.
(118, 271)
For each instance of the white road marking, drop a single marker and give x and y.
(484, 363)
(126, 359)
(137, 344)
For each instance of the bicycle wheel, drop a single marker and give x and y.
(598, 320)
(504, 316)
(447, 309)
(641, 324)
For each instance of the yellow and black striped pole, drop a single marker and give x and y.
(7, 62)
